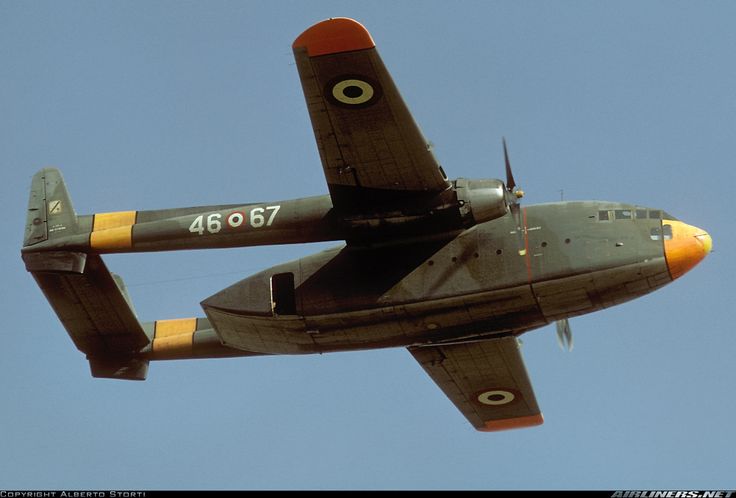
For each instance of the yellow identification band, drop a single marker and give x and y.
(106, 221)
(174, 338)
(166, 328)
(112, 231)
(112, 239)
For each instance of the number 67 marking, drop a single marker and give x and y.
(257, 219)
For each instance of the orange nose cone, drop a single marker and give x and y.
(687, 246)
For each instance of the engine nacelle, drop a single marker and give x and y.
(481, 200)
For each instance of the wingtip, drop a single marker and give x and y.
(334, 35)
(512, 423)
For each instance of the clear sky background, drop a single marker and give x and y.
(147, 105)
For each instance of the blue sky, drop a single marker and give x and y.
(147, 105)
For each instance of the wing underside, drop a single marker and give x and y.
(486, 380)
(374, 156)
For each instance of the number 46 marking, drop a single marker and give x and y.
(214, 225)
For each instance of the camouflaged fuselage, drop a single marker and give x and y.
(473, 285)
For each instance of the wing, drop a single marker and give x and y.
(374, 156)
(486, 380)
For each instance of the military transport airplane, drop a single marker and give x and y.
(453, 270)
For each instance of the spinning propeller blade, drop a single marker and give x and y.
(510, 183)
(564, 334)
(513, 196)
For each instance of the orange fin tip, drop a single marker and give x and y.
(334, 35)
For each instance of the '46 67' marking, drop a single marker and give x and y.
(213, 222)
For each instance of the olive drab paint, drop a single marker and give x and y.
(453, 270)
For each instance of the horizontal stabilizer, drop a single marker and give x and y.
(90, 303)
(119, 368)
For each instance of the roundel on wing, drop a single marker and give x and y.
(353, 91)
(496, 396)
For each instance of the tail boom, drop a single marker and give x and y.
(91, 302)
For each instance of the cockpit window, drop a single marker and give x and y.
(623, 214)
(665, 232)
(668, 216)
(630, 214)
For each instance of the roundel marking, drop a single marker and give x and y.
(235, 219)
(352, 91)
(496, 397)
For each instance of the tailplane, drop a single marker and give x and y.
(95, 310)
(91, 302)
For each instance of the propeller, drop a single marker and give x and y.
(513, 197)
(564, 334)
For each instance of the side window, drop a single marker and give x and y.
(641, 214)
(655, 214)
(655, 234)
(623, 214)
(283, 298)
(667, 232)
(603, 216)
(442, 172)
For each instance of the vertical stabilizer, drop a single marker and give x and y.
(50, 210)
